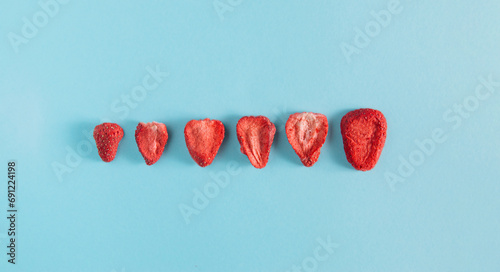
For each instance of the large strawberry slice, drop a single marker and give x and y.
(256, 135)
(306, 132)
(363, 132)
(151, 139)
(107, 137)
(203, 139)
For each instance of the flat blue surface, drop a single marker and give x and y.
(84, 64)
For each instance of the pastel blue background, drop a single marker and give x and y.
(265, 57)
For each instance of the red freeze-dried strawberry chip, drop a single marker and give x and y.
(107, 137)
(363, 132)
(203, 139)
(256, 135)
(306, 132)
(151, 139)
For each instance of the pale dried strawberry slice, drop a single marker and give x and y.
(256, 135)
(151, 139)
(306, 132)
(203, 139)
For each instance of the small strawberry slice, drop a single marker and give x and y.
(203, 139)
(306, 132)
(256, 135)
(363, 132)
(107, 137)
(151, 139)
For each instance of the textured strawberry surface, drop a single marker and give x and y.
(203, 139)
(363, 133)
(151, 139)
(107, 137)
(306, 132)
(256, 135)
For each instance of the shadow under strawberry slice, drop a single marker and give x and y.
(363, 132)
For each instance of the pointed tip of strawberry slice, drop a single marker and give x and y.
(306, 132)
(363, 132)
(107, 137)
(203, 139)
(151, 139)
(256, 135)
